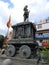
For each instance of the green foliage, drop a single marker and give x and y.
(44, 55)
(5, 46)
(1, 38)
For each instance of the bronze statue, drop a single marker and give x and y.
(26, 13)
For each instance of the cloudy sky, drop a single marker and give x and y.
(39, 9)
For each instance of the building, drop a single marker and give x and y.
(43, 30)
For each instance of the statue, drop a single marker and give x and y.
(26, 13)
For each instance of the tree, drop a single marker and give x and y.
(2, 38)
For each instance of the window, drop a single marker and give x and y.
(39, 26)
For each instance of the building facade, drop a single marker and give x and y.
(43, 31)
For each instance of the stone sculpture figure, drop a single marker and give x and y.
(26, 13)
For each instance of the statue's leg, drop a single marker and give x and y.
(24, 18)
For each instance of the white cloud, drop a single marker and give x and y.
(47, 6)
(2, 26)
(4, 8)
(17, 11)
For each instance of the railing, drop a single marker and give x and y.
(42, 36)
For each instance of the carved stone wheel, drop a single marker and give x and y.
(10, 51)
(24, 51)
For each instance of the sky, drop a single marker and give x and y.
(39, 9)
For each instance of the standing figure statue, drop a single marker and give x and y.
(26, 13)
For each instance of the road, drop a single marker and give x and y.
(19, 63)
(16, 61)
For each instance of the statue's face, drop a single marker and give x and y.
(26, 6)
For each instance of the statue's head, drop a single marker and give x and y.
(26, 6)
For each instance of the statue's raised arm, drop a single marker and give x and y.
(26, 13)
